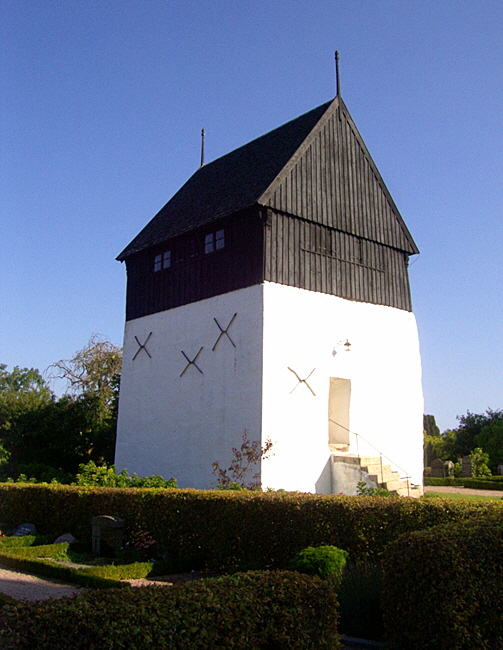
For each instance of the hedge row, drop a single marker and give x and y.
(234, 530)
(486, 483)
(443, 588)
(280, 610)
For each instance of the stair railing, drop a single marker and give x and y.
(407, 476)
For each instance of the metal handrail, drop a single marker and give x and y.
(381, 454)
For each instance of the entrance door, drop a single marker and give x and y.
(338, 413)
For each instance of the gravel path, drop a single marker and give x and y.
(459, 489)
(24, 586)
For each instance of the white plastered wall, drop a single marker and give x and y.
(178, 426)
(306, 331)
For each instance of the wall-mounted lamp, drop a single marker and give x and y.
(345, 345)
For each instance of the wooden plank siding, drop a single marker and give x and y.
(335, 183)
(316, 257)
(193, 274)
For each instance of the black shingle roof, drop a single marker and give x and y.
(228, 184)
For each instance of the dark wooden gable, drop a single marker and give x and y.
(332, 180)
(303, 205)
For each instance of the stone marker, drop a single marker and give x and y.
(65, 538)
(466, 466)
(109, 529)
(437, 468)
(24, 529)
(449, 468)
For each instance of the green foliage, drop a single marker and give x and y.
(40, 473)
(93, 475)
(490, 438)
(93, 372)
(280, 610)
(38, 429)
(479, 460)
(23, 392)
(323, 561)
(234, 530)
(443, 587)
(470, 426)
(360, 599)
(244, 461)
(363, 490)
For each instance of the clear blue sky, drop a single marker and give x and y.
(102, 104)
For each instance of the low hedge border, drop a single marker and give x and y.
(43, 561)
(280, 610)
(443, 587)
(229, 531)
(486, 483)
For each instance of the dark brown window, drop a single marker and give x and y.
(214, 241)
(162, 261)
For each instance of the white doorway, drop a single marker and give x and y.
(338, 414)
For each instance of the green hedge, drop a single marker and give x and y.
(280, 610)
(234, 530)
(443, 588)
(433, 480)
(46, 561)
(486, 483)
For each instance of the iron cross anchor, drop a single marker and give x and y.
(302, 381)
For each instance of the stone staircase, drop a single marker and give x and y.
(351, 469)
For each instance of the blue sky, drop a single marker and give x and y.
(101, 108)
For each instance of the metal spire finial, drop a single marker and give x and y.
(337, 79)
(202, 147)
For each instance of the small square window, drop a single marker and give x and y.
(157, 262)
(166, 260)
(209, 243)
(219, 239)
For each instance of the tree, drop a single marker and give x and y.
(432, 440)
(490, 438)
(23, 392)
(479, 460)
(93, 379)
(39, 430)
(94, 371)
(470, 425)
(243, 462)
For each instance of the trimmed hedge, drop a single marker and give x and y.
(486, 483)
(226, 530)
(43, 561)
(274, 610)
(443, 588)
(434, 480)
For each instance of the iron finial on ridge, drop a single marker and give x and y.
(337, 79)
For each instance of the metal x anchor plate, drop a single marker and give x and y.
(224, 332)
(142, 346)
(302, 381)
(192, 362)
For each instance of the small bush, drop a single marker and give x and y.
(323, 561)
(443, 587)
(364, 490)
(268, 610)
(101, 475)
(360, 599)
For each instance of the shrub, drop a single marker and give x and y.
(234, 530)
(101, 475)
(280, 610)
(364, 490)
(360, 596)
(443, 587)
(322, 561)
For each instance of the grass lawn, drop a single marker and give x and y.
(457, 495)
